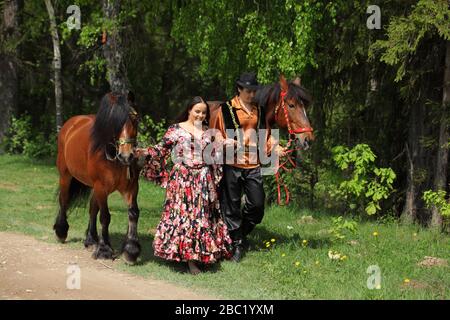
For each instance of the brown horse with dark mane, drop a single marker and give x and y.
(285, 104)
(95, 156)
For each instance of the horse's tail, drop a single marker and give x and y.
(78, 194)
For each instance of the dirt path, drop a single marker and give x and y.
(32, 269)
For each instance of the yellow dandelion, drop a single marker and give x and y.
(304, 242)
(317, 262)
(273, 240)
(344, 257)
(283, 254)
(375, 234)
(304, 271)
(414, 234)
(406, 280)
(297, 263)
(268, 244)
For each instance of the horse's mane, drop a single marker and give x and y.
(111, 117)
(270, 94)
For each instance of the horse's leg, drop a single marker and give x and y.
(103, 250)
(61, 226)
(131, 247)
(91, 232)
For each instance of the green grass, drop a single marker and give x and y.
(28, 205)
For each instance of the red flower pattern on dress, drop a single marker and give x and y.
(191, 226)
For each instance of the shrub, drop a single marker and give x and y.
(362, 185)
(22, 139)
(342, 227)
(438, 200)
(18, 135)
(150, 132)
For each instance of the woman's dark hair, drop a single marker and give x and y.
(185, 114)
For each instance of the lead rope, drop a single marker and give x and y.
(278, 178)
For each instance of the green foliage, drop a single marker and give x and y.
(363, 184)
(406, 33)
(438, 200)
(150, 132)
(18, 135)
(22, 139)
(268, 37)
(342, 227)
(298, 180)
(41, 147)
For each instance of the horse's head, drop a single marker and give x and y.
(126, 141)
(290, 112)
(116, 126)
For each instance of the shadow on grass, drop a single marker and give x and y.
(261, 235)
(147, 255)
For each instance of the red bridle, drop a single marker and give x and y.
(289, 151)
(282, 104)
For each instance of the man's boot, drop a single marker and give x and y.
(246, 229)
(238, 250)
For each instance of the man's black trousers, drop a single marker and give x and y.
(235, 182)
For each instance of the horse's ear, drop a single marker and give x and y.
(297, 81)
(131, 97)
(283, 83)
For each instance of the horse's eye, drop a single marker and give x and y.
(291, 106)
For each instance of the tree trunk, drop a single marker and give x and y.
(56, 65)
(9, 34)
(112, 50)
(410, 209)
(440, 177)
(416, 167)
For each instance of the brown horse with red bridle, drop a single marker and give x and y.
(96, 153)
(285, 105)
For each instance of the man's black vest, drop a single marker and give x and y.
(231, 120)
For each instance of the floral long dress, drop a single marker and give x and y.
(191, 227)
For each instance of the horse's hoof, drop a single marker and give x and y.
(61, 239)
(103, 252)
(131, 251)
(90, 244)
(61, 231)
(90, 247)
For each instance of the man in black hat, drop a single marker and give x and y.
(243, 176)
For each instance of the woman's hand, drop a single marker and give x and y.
(140, 153)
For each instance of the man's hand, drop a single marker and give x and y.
(229, 142)
(282, 151)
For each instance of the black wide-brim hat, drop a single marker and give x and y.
(248, 80)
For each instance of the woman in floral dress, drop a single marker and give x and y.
(191, 228)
